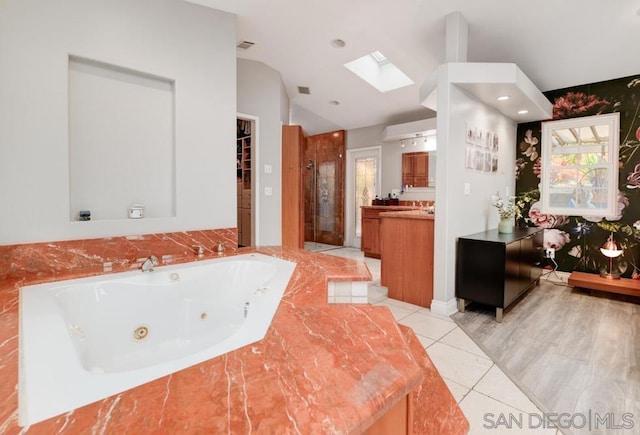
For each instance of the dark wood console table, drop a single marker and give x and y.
(592, 281)
(495, 269)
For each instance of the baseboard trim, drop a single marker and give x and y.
(444, 308)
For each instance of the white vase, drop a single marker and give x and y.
(505, 226)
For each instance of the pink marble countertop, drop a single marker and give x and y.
(390, 207)
(320, 369)
(412, 214)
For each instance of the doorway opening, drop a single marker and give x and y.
(245, 159)
(323, 179)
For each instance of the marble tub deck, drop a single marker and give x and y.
(320, 369)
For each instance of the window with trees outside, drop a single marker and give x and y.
(579, 171)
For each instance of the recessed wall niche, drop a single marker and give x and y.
(121, 141)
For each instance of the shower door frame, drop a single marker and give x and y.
(320, 149)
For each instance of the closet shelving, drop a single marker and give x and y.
(243, 153)
(244, 143)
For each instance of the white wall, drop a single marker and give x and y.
(391, 159)
(458, 214)
(262, 94)
(193, 45)
(114, 113)
(365, 137)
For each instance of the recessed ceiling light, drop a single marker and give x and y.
(523, 112)
(334, 102)
(503, 97)
(338, 43)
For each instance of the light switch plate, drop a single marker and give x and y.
(467, 189)
(268, 169)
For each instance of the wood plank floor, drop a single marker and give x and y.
(569, 351)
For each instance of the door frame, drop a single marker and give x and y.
(255, 177)
(350, 238)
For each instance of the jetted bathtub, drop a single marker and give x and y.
(86, 339)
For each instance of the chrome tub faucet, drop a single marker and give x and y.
(199, 250)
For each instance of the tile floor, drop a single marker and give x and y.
(483, 391)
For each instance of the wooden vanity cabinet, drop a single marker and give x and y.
(370, 243)
(370, 238)
(407, 257)
(415, 169)
(495, 269)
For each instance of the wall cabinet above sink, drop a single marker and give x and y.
(415, 169)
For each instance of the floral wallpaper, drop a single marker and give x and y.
(577, 239)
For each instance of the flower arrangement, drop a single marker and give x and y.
(506, 209)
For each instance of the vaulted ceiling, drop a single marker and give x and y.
(557, 43)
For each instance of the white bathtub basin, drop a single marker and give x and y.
(86, 339)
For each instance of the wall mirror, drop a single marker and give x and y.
(579, 170)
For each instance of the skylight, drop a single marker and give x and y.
(379, 72)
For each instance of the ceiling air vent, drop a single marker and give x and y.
(244, 44)
(304, 90)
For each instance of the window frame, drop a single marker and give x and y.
(612, 120)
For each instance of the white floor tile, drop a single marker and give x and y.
(497, 385)
(458, 391)
(373, 262)
(374, 268)
(457, 338)
(462, 367)
(489, 416)
(376, 293)
(428, 312)
(405, 305)
(346, 252)
(426, 342)
(397, 312)
(318, 247)
(428, 326)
